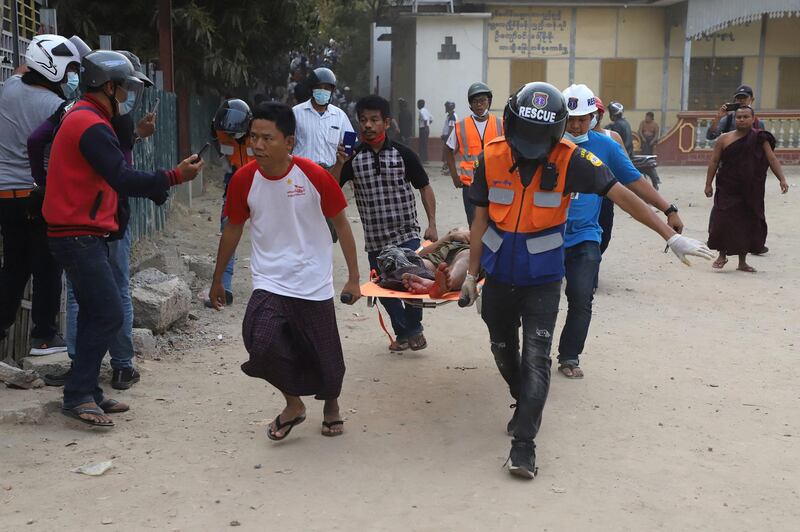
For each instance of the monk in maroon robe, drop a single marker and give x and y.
(740, 160)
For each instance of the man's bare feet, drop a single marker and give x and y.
(332, 424)
(439, 287)
(416, 284)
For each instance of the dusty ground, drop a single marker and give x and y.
(687, 418)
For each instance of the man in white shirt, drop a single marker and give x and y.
(449, 123)
(425, 121)
(320, 124)
(289, 327)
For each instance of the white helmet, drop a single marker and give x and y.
(580, 100)
(50, 55)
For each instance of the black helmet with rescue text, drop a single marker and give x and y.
(534, 119)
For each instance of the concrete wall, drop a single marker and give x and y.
(440, 80)
(634, 33)
(381, 62)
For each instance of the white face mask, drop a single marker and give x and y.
(594, 123)
(321, 96)
(577, 140)
(127, 106)
(485, 113)
(70, 87)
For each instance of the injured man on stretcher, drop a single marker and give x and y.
(447, 259)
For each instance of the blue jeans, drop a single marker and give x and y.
(582, 263)
(86, 262)
(227, 277)
(526, 372)
(406, 319)
(121, 348)
(469, 207)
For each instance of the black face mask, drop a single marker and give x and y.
(123, 127)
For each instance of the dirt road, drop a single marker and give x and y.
(687, 417)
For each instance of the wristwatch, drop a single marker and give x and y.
(672, 208)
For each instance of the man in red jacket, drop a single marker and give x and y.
(87, 170)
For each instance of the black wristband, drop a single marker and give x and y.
(670, 210)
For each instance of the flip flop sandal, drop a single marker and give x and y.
(570, 371)
(279, 426)
(329, 425)
(398, 345)
(109, 406)
(75, 413)
(418, 342)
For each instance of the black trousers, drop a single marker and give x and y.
(25, 253)
(505, 309)
(424, 133)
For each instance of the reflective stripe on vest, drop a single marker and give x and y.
(513, 207)
(238, 153)
(470, 145)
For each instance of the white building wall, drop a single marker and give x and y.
(381, 63)
(440, 80)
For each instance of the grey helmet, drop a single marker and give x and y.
(102, 66)
(478, 88)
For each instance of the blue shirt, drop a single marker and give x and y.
(584, 210)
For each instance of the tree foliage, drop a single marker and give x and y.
(219, 44)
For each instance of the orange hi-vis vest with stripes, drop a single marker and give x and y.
(524, 243)
(238, 153)
(469, 143)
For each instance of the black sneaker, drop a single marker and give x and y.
(57, 379)
(523, 459)
(48, 346)
(122, 379)
(512, 423)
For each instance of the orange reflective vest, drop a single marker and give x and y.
(238, 153)
(469, 143)
(524, 243)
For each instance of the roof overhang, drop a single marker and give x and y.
(707, 16)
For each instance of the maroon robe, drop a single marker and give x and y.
(737, 224)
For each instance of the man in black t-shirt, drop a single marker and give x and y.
(384, 175)
(621, 126)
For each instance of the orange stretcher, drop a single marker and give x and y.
(372, 291)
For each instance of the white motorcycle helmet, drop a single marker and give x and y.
(51, 55)
(580, 100)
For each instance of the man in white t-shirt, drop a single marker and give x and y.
(425, 121)
(289, 327)
(449, 123)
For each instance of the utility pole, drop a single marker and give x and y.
(165, 43)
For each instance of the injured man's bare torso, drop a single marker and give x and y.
(448, 259)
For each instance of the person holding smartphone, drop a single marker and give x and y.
(725, 120)
(86, 174)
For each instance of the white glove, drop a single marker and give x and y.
(683, 246)
(469, 291)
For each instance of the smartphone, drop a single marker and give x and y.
(732, 106)
(201, 152)
(349, 142)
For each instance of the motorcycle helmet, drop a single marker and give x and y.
(233, 117)
(51, 56)
(321, 76)
(535, 119)
(580, 99)
(478, 88)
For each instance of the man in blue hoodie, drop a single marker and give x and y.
(583, 233)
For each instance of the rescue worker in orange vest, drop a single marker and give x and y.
(229, 129)
(468, 138)
(521, 191)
